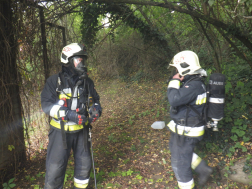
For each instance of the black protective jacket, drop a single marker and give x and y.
(187, 100)
(54, 91)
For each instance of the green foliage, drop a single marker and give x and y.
(133, 148)
(11, 147)
(99, 175)
(117, 13)
(139, 177)
(37, 187)
(131, 119)
(141, 140)
(91, 22)
(211, 2)
(247, 168)
(248, 3)
(30, 178)
(236, 127)
(123, 173)
(39, 175)
(129, 172)
(9, 184)
(112, 138)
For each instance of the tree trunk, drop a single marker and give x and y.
(12, 146)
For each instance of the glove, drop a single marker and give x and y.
(95, 111)
(76, 118)
(81, 110)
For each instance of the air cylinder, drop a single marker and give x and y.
(216, 100)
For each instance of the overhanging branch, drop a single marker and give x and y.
(171, 6)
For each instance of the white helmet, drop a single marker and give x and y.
(186, 62)
(73, 49)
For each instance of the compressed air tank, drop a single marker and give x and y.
(216, 100)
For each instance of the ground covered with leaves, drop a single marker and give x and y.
(128, 153)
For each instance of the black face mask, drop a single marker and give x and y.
(78, 66)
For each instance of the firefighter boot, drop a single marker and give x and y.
(204, 172)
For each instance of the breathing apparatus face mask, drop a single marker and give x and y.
(78, 66)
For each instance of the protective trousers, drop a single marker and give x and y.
(183, 159)
(57, 158)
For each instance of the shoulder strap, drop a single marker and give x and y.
(60, 82)
(195, 78)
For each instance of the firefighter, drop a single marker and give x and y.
(187, 96)
(70, 98)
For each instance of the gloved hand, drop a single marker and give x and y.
(95, 111)
(76, 118)
(81, 110)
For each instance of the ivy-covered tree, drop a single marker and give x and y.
(232, 19)
(120, 13)
(12, 145)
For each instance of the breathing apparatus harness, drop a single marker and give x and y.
(214, 108)
(215, 99)
(85, 104)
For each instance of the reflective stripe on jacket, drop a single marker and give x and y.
(68, 126)
(185, 130)
(51, 100)
(191, 92)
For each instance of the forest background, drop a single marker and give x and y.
(130, 44)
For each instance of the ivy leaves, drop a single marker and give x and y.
(211, 2)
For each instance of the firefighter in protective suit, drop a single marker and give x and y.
(187, 97)
(70, 98)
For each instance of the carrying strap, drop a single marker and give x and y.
(180, 138)
(195, 111)
(207, 103)
(63, 133)
(60, 82)
(85, 137)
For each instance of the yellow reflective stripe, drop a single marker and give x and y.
(201, 99)
(66, 96)
(174, 84)
(195, 161)
(192, 131)
(80, 183)
(77, 185)
(66, 127)
(186, 185)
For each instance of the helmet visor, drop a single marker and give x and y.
(79, 63)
